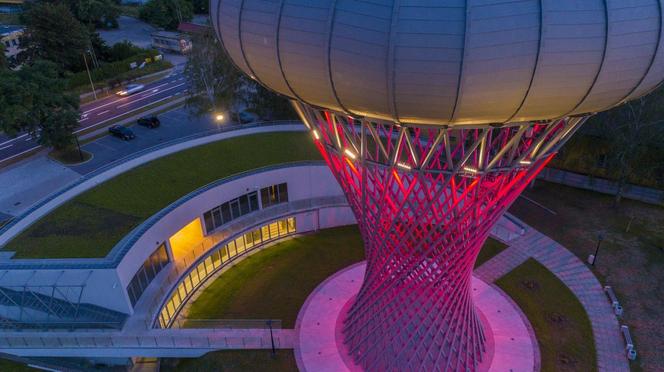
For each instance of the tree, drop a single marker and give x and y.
(167, 13)
(269, 105)
(216, 82)
(52, 33)
(201, 6)
(93, 13)
(635, 133)
(34, 100)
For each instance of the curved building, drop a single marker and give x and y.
(433, 117)
(449, 61)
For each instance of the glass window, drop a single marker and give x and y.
(202, 270)
(257, 236)
(244, 205)
(248, 241)
(226, 212)
(217, 217)
(253, 201)
(187, 284)
(209, 225)
(266, 232)
(182, 290)
(291, 224)
(265, 197)
(171, 308)
(176, 300)
(283, 227)
(194, 278)
(283, 193)
(208, 264)
(224, 251)
(274, 230)
(235, 208)
(216, 260)
(239, 245)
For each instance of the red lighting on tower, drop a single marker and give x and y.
(425, 199)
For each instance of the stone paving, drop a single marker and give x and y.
(319, 344)
(580, 280)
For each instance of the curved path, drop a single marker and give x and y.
(578, 278)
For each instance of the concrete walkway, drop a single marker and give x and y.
(319, 346)
(578, 278)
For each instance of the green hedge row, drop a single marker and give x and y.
(112, 70)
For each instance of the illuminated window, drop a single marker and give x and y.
(274, 194)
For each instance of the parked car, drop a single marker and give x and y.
(122, 132)
(149, 121)
(246, 117)
(130, 89)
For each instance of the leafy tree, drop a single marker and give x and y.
(93, 13)
(269, 105)
(167, 13)
(34, 100)
(201, 6)
(123, 50)
(52, 33)
(3, 58)
(216, 82)
(635, 132)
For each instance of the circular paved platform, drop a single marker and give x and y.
(319, 346)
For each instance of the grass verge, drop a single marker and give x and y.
(275, 282)
(12, 366)
(490, 248)
(234, 361)
(631, 258)
(560, 322)
(93, 222)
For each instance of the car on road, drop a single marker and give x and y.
(149, 121)
(121, 132)
(130, 89)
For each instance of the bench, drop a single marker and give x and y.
(617, 309)
(629, 344)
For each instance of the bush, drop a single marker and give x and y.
(124, 50)
(116, 70)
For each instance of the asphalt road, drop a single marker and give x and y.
(103, 112)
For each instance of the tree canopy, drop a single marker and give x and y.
(34, 100)
(167, 13)
(54, 34)
(93, 13)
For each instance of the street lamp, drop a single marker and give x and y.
(600, 237)
(219, 117)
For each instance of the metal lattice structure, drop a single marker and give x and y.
(425, 199)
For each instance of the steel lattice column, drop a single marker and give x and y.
(425, 200)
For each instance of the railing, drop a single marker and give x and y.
(228, 323)
(214, 339)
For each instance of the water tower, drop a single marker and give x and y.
(434, 115)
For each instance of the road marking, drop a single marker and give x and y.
(6, 147)
(19, 154)
(104, 112)
(123, 114)
(28, 139)
(123, 98)
(148, 96)
(14, 139)
(155, 90)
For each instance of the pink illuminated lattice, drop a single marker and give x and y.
(425, 199)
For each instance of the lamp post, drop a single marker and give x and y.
(274, 351)
(85, 60)
(600, 237)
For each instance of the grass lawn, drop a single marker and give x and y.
(12, 366)
(234, 361)
(93, 222)
(490, 248)
(558, 318)
(275, 283)
(630, 261)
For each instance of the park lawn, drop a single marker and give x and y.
(234, 361)
(632, 262)
(274, 283)
(92, 223)
(12, 366)
(490, 248)
(562, 327)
